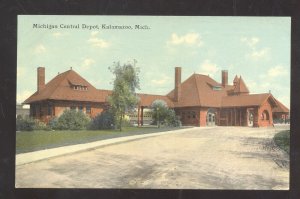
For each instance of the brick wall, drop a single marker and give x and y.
(262, 121)
(189, 116)
(58, 107)
(203, 112)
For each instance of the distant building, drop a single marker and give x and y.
(21, 111)
(198, 101)
(201, 101)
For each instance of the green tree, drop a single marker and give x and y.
(161, 114)
(159, 111)
(123, 97)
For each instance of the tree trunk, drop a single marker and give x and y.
(121, 122)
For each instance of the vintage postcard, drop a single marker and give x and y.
(153, 102)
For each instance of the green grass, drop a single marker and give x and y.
(282, 140)
(28, 141)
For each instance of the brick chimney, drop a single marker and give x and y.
(40, 78)
(177, 91)
(224, 78)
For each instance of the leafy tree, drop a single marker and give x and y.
(105, 120)
(123, 97)
(161, 114)
(159, 111)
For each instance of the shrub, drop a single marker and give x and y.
(41, 126)
(282, 140)
(165, 115)
(71, 120)
(171, 119)
(104, 120)
(25, 124)
(53, 123)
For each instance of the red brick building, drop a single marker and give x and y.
(198, 101)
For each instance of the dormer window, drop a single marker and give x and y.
(80, 87)
(217, 88)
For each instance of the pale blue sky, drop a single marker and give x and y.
(257, 48)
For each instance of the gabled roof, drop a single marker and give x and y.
(198, 90)
(59, 88)
(246, 100)
(235, 79)
(280, 108)
(240, 86)
(147, 99)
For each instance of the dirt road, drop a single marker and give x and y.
(199, 158)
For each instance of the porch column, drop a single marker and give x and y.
(240, 117)
(255, 117)
(235, 123)
(142, 115)
(138, 116)
(247, 116)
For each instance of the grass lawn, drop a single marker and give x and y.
(282, 140)
(28, 141)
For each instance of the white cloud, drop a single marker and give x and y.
(57, 34)
(94, 33)
(255, 54)
(162, 80)
(40, 48)
(251, 42)
(96, 41)
(273, 73)
(86, 64)
(259, 54)
(277, 71)
(207, 67)
(187, 39)
(22, 96)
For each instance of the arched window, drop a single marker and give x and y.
(265, 115)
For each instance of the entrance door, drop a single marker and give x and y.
(211, 117)
(250, 118)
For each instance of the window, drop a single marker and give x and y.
(193, 114)
(265, 115)
(73, 107)
(88, 109)
(189, 115)
(33, 111)
(183, 114)
(49, 110)
(80, 108)
(41, 111)
(217, 88)
(80, 87)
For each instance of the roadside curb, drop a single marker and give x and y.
(26, 158)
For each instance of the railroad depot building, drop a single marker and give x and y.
(197, 101)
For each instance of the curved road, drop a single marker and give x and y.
(198, 158)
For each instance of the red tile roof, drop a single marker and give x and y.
(240, 86)
(147, 100)
(200, 90)
(60, 88)
(280, 108)
(245, 100)
(197, 90)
